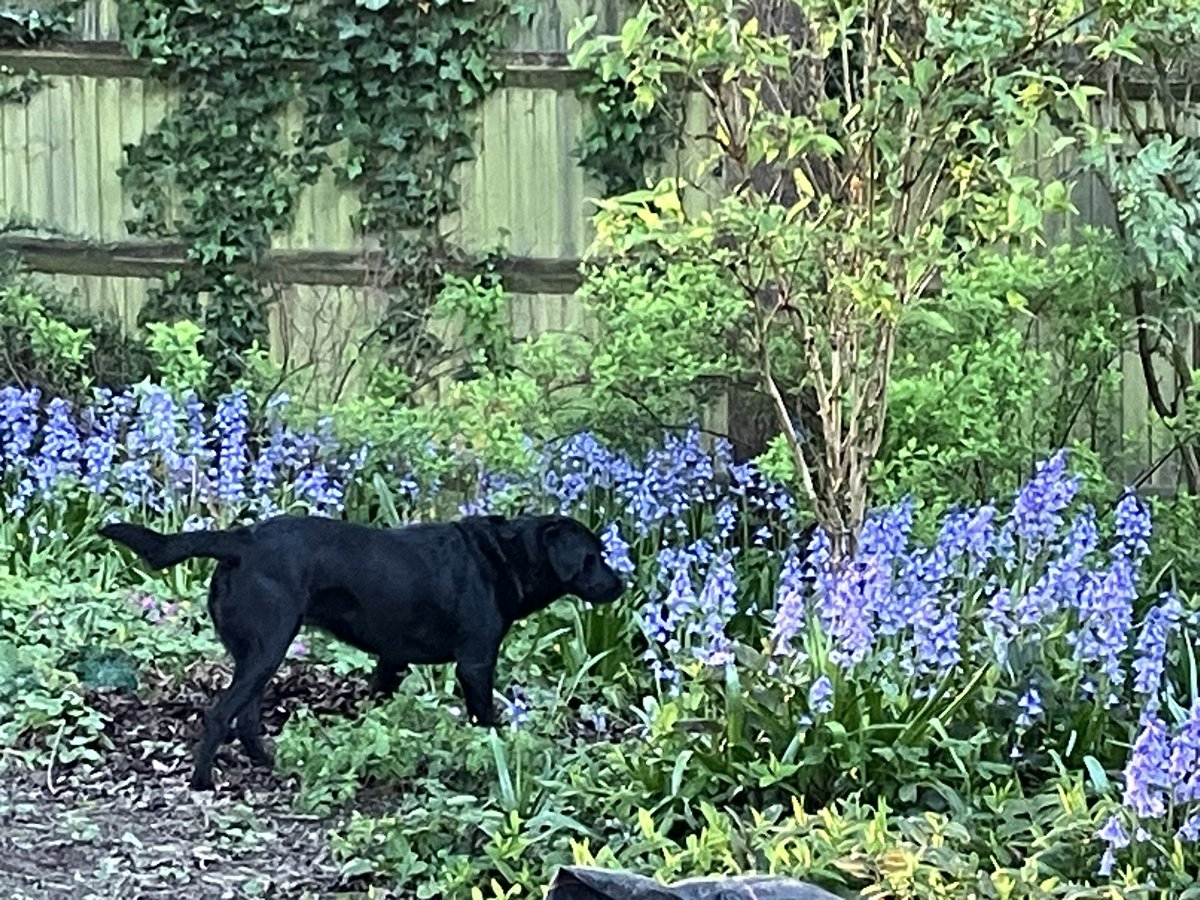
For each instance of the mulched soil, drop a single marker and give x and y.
(131, 828)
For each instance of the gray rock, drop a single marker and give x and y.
(583, 883)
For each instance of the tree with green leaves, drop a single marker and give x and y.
(861, 151)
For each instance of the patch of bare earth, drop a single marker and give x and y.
(130, 828)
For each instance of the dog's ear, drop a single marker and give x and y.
(565, 549)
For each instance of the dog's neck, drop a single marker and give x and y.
(509, 551)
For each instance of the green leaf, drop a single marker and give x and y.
(1098, 775)
(357, 866)
(349, 28)
(581, 28)
(924, 71)
(1055, 193)
(633, 31)
(373, 5)
(678, 771)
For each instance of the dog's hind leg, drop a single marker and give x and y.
(250, 677)
(249, 730)
(258, 640)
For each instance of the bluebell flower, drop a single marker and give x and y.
(844, 609)
(102, 425)
(1107, 861)
(820, 696)
(1183, 764)
(517, 709)
(715, 606)
(1147, 772)
(231, 422)
(1133, 526)
(1030, 705)
(999, 623)
(616, 551)
(58, 456)
(1105, 610)
(315, 488)
(1151, 648)
(681, 599)
(266, 468)
(18, 422)
(726, 519)
(1037, 513)
(1189, 831)
(1114, 833)
(855, 598)
(968, 535)
(789, 612)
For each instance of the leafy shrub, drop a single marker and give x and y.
(1018, 362)
(48, 340)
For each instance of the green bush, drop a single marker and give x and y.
(47, 339)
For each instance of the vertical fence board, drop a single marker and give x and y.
(16, 156)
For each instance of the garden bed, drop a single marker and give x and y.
(129, 827)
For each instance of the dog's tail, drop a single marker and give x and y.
(161, 551)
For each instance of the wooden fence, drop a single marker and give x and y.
(59, 157)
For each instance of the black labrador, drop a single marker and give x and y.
(425, 593)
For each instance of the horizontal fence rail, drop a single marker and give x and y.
(154, 259)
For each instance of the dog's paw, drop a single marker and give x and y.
(262, 758)
(201, 781)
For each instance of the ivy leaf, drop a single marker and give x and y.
(632, 33)
(391, 59)
(373, 5)
(350, 28)
(581, 28)
(477, 67)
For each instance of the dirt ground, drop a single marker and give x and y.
(130, 828)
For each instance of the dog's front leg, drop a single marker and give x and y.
(387, 677)
(476, 677)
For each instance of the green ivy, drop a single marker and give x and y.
(32, 28)
(397, 81)
(620, 144)
(392, 81)
(623, 137)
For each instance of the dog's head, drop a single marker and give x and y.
(576, 556)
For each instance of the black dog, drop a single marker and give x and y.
(427, 593)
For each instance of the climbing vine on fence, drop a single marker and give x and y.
(33, 27)
(620, 144)
(623, 136)
(387, 88)
(218, 173)
(397, 81)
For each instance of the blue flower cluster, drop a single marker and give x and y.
(990, 584)
(689, 511)
(1162, 774)
(147, 449)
